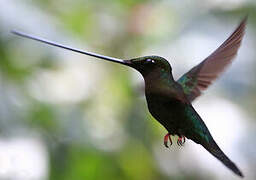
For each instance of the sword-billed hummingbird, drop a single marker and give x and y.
(169, 101)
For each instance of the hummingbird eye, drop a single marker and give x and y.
(150, 61)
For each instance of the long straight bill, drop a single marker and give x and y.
(69, 48)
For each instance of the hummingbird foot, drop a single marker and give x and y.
(181, 140)
(166, 138)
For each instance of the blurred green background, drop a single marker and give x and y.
(65, 116)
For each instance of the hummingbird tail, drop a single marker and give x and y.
(214, 149)
(200, 134)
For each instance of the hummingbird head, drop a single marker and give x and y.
(150, 64)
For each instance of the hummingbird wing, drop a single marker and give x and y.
(197, 131)
(202, 75)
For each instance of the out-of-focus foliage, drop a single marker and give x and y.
(89, 118)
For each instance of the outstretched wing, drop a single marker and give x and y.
(202, 75)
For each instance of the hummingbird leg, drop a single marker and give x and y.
(181, 140)
(166, 138)
(170, 139)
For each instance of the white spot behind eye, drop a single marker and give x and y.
(150, 60)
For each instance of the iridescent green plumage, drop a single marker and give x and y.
(169, 101)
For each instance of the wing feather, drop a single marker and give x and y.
(201, 76)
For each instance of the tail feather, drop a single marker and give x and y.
(214, 149)
(199, 133)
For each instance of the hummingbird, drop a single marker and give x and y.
(170, 101)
